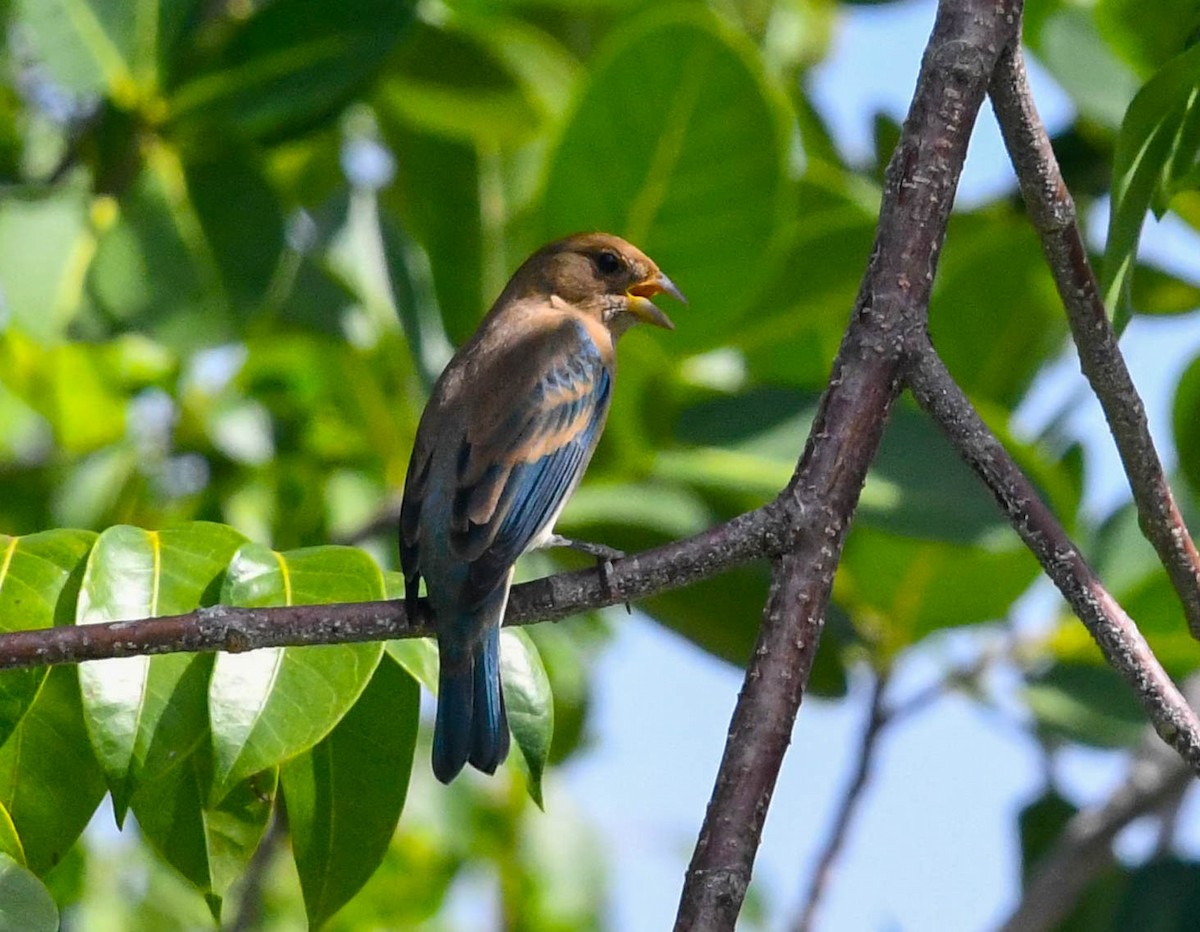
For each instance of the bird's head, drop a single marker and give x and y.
(600, 274)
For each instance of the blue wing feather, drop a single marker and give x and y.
(534, 490)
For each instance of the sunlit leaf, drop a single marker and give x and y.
(344, 795)
(529, 703)
(142, 712)
(39, 582)
(25, 905)
(678, 143)
(1153, 139)
(50, 782)
(267, 706)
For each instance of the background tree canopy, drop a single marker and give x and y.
(237, 242)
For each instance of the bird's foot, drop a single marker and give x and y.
(599, 551)
(604, 560)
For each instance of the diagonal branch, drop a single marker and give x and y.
(1052, 211)
(919, 191)
(1157, 777)
(877, 719)
(1119, 638)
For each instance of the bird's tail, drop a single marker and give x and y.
(471, 723)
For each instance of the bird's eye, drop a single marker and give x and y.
(608, 263)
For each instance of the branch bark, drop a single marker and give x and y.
(1119, 638)
(877, 719)
(1052, 212)
(918, 193)
(765, 532)
(1156, 778)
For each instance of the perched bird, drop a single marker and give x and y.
(502, 444)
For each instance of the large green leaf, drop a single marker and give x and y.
(994, 314)
(210, 229)
(39, 583)
(529, 702)
(1159, 140)
(25, 905)
(1186, 417)
(291, 64)
(1086, 703)
(104, 47)
(209, 843)
(46, 244)
(267, 706)
(344, 796)
(50, 782)
(678, 143)
(1069, 44)
(141, 711)
(486, 80)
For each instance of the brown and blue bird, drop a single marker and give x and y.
(505, 437)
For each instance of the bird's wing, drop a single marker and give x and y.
(410, 523)
(516, 469)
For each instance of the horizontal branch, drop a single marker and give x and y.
(763, 533)
(1052, 212)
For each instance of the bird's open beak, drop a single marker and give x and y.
(640, 305)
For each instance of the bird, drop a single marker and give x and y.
(503, 442)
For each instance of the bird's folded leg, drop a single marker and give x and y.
(604, 556)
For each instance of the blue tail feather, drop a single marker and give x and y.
(489, 728)
(471, 724)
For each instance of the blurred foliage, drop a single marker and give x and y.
(237, 242)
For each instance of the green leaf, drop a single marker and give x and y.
(1070, 46)
(1159, 293)
(1148, 151)
(678, 143)
(529, 703)
(487, 80)
(102, 47)
(50, 782)
(994, 309)
(345, 795)
(46, 244)
(25, 905)
(267, 706)
(795, 327)
(39, 584)
(1086, 703)
(418, 656)
(1186, 423)
(291, 64)
(437, 197)
(10, 841)
(209, 844)
(905, 588)
(210, 229)
(1148, 42)
(140, 711)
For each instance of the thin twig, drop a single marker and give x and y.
(1052, 211)
(1119, 638)
(921, 181)
(1157, 778)
(877, 720)
(763, 533)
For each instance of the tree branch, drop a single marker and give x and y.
(919, 191)
(877, 719)
(1157, 777)
(1052, 212)
(765, 532)
(1119, 638)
